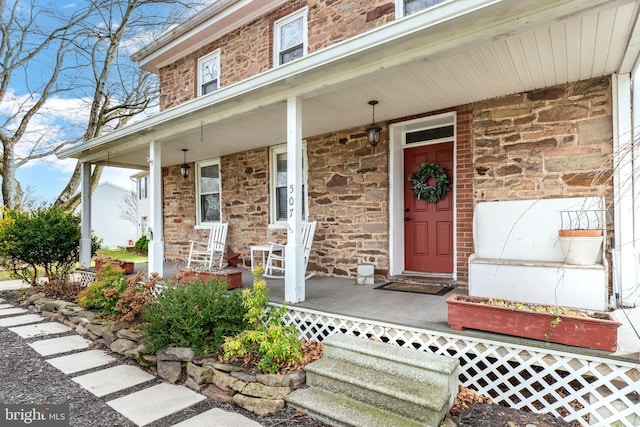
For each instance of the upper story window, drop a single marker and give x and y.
(209, 73)
(142, 187)
(278, 193)
(208, 190)
(290, 37)
(407, 7)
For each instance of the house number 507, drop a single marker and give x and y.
(292, 199)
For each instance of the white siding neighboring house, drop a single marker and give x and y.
(106, 216)
(142, 203)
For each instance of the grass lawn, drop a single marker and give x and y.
(123, 255)
(113, 253)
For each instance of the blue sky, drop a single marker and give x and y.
(65, 115)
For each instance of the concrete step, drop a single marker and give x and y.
(415, 399)
(336, 410)
(365, 383)
(405, 362)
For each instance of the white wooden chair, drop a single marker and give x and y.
(275, 261)
(206, 253)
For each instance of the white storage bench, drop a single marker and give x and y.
(517, 255)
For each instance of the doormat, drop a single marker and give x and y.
(418, 288)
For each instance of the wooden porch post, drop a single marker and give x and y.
(156, 243)
(85, 224)
(294, 282)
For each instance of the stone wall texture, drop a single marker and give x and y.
(549, 143)
(248, 50)
(554, 142)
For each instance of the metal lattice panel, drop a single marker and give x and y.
(582, 389)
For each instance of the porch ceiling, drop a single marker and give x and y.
(447, 56)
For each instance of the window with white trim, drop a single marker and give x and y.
(407, 7)
(290, 37)
(208, 191)
(278, 190)
(142, 187)
(209, 73)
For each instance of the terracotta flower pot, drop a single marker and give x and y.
(231, 276)
(126, 266)
(580, 247)
(598, 331)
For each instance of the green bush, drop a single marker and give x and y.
(142, 245)
(198, 315)
(104, 293)
(47, 237)
(275, 345)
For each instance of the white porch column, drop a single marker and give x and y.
(294, 282)
(624, 259)
(85, 215)
(156, 242)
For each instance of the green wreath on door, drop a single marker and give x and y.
(424, 191)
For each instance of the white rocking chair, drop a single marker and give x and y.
(275, 262)
(206, 252)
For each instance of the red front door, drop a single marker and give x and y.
(428, 227)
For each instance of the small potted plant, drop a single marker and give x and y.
(232, 276)
(100, 260)
(581, 236)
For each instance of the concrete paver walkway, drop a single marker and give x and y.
(69, 354)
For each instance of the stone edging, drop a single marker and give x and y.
(258, 393)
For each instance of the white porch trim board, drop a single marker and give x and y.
(85, 221)
(294, 281)
(624, 275)
(156, 227)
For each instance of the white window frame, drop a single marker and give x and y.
(400, 7)
(273, 167)
(199, 166)
(143, 195)
(276, 34)
(201, 62)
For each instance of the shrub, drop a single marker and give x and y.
(199, 315)
(275, 345)
(104, 293)
(142, 245)
(138, 295)
(47, 237)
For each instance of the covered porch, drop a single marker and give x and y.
(459, 54)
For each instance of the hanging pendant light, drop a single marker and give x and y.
(373, 131)
(184, 168)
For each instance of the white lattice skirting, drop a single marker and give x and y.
(584, 389)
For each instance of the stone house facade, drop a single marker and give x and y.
(521, 130)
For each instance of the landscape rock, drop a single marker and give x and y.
(258, 406)
(182, 354)
(216, 393)
(199, 374)
(265, 392)
(129, 335)
(122, 345)
(169, 370)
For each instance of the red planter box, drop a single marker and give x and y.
(126, 266)
(599, 332)
(233, 277)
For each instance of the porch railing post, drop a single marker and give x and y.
(156, 243)
(294, 281)
(85, 206)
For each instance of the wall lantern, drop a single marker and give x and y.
(184, 168)
(373, 131)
